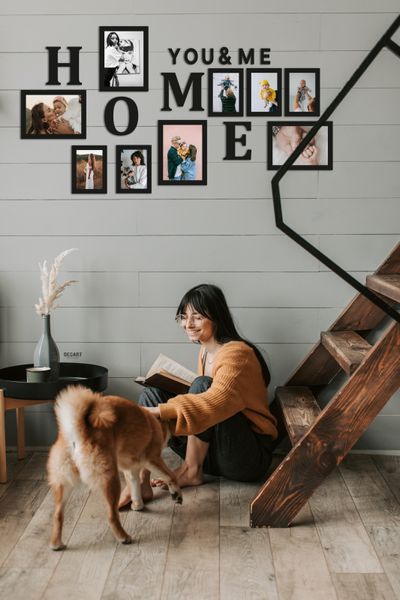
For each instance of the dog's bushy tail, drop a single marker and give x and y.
(78, 408)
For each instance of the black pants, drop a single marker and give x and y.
(108, 75)
(235, 452)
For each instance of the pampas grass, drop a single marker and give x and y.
(51, 289)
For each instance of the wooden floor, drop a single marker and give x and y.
(345, 544)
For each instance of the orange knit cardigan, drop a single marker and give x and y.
(237, 386)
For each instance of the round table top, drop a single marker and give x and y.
(13, 380)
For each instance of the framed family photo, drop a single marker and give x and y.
(182, 152)
(302, 92)
(59, 114)
(285, 136)
(89, 169)
(264, 92)
(133, 174)
(124, 58)
(225, 92)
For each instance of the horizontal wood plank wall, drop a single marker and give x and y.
(138, 254)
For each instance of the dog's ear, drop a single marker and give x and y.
(102, 417)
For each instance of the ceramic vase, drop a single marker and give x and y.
(46, 352)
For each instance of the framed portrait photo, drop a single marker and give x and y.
(124, 58)
(225, 93)
(56, 114)
(284, 136)
(89, 169)
(182, 152)
(264, 92)
(133, 169)
(302, 92)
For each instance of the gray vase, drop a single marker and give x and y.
(46, 352)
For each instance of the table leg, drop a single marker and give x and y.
(3, 458)
(20, 417)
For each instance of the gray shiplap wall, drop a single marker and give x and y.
(137, 255)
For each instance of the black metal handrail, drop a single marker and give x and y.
(384, 42)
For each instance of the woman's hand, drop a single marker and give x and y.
(62, 127)
(155, 410)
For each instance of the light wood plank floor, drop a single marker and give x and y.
(345, 544)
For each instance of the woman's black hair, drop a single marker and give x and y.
(139, 154)
(37, 123)
(108, 39)
(209, 300)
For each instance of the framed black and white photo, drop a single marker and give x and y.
(124, 58)
(182, 153)
(264, 92)
(285, 136)
(133, 169)
(56, 114)
(302, 92)
(225, 93)
(89, 169)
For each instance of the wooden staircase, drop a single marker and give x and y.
(321, 438)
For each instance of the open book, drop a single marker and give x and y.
(166, 374)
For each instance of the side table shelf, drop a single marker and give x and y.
(19, 405)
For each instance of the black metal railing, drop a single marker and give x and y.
(384, 42)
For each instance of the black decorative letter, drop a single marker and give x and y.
(231, 140)
(170, 79)
(132, 113)
(73, 65)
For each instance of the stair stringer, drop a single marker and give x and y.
(340, 424)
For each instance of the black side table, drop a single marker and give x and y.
(16, 393)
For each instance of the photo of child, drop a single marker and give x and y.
(225, 92)
(124, 58)
(45, 114)
(264, 92)
(182, 152)
(302, 91)
(284, 138)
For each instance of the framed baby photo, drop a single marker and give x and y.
(264, 92)
(284, 136)
(182, 153)
(225, 93)
(89, 169)
(133, 169)
(124, 59)
(302, 92)
(56, 114)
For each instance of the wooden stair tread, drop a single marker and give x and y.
(348, 348)
(299, 409)
(387, 285)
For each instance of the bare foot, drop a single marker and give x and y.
(125, 497)
(186, 477)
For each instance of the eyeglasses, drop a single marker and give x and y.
(183, 319)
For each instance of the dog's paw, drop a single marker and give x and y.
(58, 547)
(127, 540)
(137, 505)
(177, 497)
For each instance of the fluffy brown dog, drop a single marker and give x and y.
(97, 437)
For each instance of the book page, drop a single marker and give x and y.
(163, 363)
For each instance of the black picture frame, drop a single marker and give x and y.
(78, 188)
(249, 93)
(169, 129)
(273, 166)
(132, 148)
(142, 39)
(211, 95)
(49, 95)
(289, 85)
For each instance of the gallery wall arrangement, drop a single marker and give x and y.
(148, 138)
